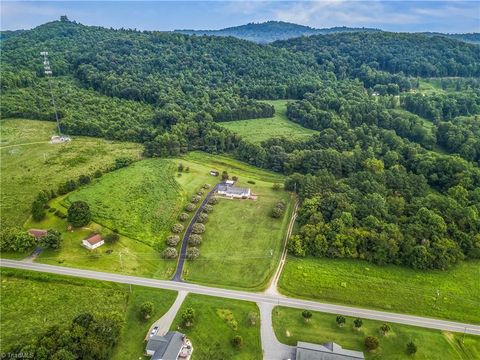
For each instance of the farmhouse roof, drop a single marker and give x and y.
(94, 239)
(166, 347)
(234, 190)
(37, 232)
(328, 351)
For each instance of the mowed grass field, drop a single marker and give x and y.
(32, 302)
(216, 322)
(30, 164)
(390, 288)
(258, 130)
(290, 327)
(141, 201)
(241, 238)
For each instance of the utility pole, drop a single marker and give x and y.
(48, 74)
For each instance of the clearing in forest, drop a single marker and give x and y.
(258, 130)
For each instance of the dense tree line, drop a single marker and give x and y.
(87, 337)
(410, 54)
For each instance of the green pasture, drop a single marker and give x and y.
(258, 130)
(391, 288)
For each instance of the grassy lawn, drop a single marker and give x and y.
(26, 169)
(142, 200)
(258, 130)
(217, 321)
(290, 327)
(241, 237)
(391, 288)
(131, 344)
(34, 301)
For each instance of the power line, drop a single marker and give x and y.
(48, 74)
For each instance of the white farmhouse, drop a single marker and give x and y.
(93, 242)
(233, 191)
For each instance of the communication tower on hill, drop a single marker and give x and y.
(48, 74)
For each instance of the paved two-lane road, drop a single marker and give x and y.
(248, 296)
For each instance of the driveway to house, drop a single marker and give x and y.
(183, 250)
(250, 296)
(165, 322)
(272, 348)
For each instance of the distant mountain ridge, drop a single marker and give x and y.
(271, 31)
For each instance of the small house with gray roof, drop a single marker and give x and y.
(328, 351)
(171, 346)
(233, 191)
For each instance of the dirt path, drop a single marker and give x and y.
(272, 288)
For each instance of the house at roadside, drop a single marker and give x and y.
(171, 346)
(328, 351)
(37, 233)
(93, 242)
(233, 191)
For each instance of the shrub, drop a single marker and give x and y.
(177, 228)
(237, 341)
(411, 348)
(208, 208)
(340, 320)
(213, 200)
(146, 310)
(235, 178)
(276, 186)
(170, 253)
(84, 179)
(111, 238)
(187, 169)
(97, 174)
(60, 214)
(200, 192)
(206, 186)
(195, 239)
(188, 317)
(224, 175)
(252, 318)
(192, 253)
(385, 328)
(190, 207)
(202, 218)
(79, 214)
(195, 199)
(183, 217)
(306, 315)
(198, 228)
(357, 323)
(278, 210)
(180, 167)
(371, 343)
(251, 182)
(173, 240)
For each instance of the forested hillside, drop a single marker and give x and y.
(270, 31)
(392, 175)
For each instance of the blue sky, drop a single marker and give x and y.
(443, 16)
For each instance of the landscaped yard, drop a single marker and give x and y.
(216, 322)
(32, 302)
(241, 238)
(26, 169)
(390, 288)
(291, 327)
(258, 130)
